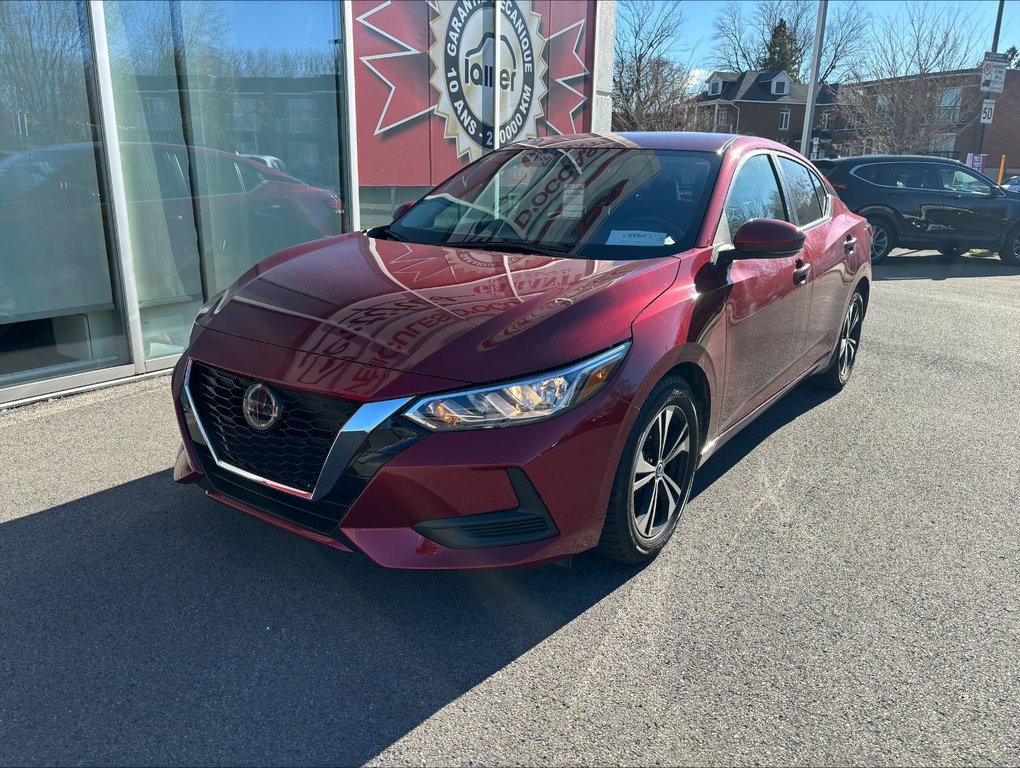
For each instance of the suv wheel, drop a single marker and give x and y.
(1010, 250)
(883, 237)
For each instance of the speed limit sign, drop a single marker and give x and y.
(987, 111)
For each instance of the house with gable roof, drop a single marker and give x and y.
(768, 104)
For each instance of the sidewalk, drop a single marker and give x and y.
(56, 451)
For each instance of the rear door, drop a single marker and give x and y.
(913, 192)
(827, 242)
(768, 302)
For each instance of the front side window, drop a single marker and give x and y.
(587, 202)
(803, 198)
(755, 194)
(961, 180)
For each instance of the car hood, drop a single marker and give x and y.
(466, 315)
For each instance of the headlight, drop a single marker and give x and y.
(522, 401)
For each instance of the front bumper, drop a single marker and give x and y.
(408, 498)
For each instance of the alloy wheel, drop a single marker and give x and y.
(879, 241)
(662, 457)
(850, 337)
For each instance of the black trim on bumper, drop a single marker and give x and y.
(324, 515)
(529, 522)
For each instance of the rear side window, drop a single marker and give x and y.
(803, 195)
(755, 194)
(899, 175)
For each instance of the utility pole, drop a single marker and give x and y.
(995, 49)
(812, 91)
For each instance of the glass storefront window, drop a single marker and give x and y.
(59, 301)
(231, 143)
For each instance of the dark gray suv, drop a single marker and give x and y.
(927, 202)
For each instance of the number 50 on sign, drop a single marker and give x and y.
(987, 111)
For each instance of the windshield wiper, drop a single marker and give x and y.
(509, 246)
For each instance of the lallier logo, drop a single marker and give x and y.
(468, 75)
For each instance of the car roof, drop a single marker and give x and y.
(858, 159)
(690, 140)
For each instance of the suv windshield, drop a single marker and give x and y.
(595, 203)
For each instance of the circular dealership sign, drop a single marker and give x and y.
(468, 76)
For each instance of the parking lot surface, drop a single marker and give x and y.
(842, 589)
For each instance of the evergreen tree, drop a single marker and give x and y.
(782, 51)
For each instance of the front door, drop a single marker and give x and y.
(974, 209)
(768, 302)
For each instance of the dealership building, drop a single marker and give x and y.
(151, 151)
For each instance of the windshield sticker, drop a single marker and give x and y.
(636, 237)
(573, 201)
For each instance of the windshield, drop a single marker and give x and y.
(595, 203)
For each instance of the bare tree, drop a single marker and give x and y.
(652, 89)
(42, 75)
(906, 90)
(742, 36)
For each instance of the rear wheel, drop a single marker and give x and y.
(841, 365)
(1010, 250)
(883, 237)
(655, 475)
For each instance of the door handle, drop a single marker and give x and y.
(801, 272)
(849, 243)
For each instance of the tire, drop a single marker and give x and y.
(883, 237)
(639, 521)
(841, 364)
(1009, 253)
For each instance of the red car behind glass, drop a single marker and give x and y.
(533, 359)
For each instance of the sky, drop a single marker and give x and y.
(696, 35)
(311, 23)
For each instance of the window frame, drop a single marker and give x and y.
(784, 117)
(723, 236)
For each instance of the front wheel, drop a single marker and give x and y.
(655, 475)
(841, 365)
(1009, 253)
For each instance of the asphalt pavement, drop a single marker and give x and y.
(842, 590)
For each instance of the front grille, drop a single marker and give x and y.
(291, 453)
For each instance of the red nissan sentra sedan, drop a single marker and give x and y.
(533, 359)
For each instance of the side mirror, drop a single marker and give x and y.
(401, 209)
(767, 239)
